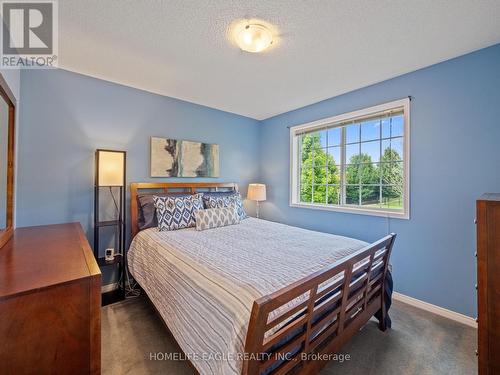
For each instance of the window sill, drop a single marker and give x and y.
(353, 210)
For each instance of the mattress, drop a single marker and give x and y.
(204, 283)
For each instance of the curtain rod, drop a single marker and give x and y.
(409, 97)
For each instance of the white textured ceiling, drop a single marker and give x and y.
(180, 48)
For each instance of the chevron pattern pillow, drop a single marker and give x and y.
(177, 212)
(211, 201)
(216, 217)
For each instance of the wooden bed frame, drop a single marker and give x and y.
(336, 302)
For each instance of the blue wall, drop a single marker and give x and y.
(455, 156)
(66, 116)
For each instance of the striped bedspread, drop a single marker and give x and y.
(204, 283)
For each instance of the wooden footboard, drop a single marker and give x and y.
(334, 304)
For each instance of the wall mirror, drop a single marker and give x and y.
(7, 114)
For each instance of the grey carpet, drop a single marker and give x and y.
(419, 343)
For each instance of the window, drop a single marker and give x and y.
(356, 162)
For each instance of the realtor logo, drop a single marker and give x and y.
(29, 34)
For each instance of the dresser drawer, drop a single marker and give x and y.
(49, 302)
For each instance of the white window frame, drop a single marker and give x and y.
(342, 119)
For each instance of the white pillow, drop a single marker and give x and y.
(216, 217)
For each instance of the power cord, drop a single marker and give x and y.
(114, 199)
(131, 288)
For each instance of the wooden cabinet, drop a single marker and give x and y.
(488, 283)
(50, 300)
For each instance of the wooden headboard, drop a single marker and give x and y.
(170, 187)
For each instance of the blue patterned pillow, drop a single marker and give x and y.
(177, 212)
(211, 201)
(147, 210)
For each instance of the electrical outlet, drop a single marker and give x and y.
(109, 254)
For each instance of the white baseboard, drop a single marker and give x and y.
(108, 288)
(460, 318)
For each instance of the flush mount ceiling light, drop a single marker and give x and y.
(253, 37)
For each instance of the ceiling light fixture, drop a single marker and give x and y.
(254, 38)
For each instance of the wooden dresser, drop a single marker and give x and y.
(50, 300)
(488, 283)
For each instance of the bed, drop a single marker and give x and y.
(258, 297)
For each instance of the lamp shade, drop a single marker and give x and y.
(256, 192)
(110, 167)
